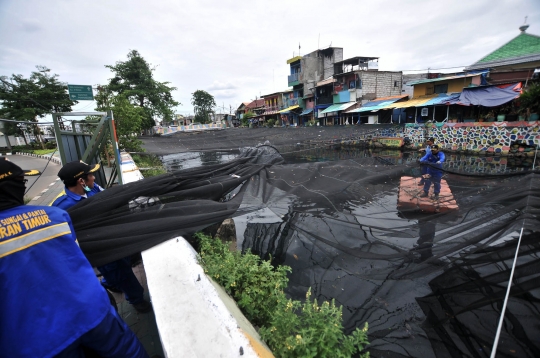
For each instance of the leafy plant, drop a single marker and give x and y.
(270, 123)
(312, 330)
(290, 328)
(255, 285)
(529, 101)
(149, 165)
(134, 80)
(203, 104)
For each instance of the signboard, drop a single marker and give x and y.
(424, 112)
(80, 93)
(395, 142)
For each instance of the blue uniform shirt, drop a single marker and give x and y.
(69, 198)
(50, 293)
(433, 159)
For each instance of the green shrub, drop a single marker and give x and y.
(254, 284)
(312, 330)
(290, 328)
(270, 123)
(149, 165)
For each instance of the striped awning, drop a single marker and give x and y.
(288, 109)
(371, 108)
(443, 99)
(415, 102)
(338, 107)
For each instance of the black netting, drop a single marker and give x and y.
(428, 284)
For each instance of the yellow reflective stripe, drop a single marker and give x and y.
(22, 242)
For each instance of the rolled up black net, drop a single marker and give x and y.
(429, 284)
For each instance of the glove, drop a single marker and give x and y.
(438, 163)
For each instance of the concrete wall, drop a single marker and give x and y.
(376, 84)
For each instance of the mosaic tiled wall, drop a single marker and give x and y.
(490, 137)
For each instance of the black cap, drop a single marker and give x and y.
(10, 170)
(431, 139)
(75, 170)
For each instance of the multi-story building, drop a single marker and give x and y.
(273, 103)
(305, 72)
(356, 80)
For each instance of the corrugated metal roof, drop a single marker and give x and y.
(294, 59)
(445, 78)
(288, 109)
(443, 98)
(377, 103)
(521, 45)
(382, 105)
(326, 82)
(306, 111)
(383, 99)
(415, 102)
(504, 62)
(257, 103)
(338, 107)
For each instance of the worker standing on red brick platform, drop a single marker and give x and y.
(427, 149)
(434, 161)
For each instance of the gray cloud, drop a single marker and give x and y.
(237, 52)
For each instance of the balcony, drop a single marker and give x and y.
(293, 79)
(325, 100)
(271, 109)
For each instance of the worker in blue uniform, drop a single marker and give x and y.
(52, 304)
(118, 275)
(434, 172)
(426, 150)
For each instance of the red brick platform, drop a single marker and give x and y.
(409, 197)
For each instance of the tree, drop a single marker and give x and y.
(27, 99)
(133, 79)
(529, 101)
(128, 118)
(203, 103)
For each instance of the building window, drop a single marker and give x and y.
(396, 83)
(441, 88)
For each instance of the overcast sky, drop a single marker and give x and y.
(237, 50)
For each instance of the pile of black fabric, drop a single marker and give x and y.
(428, 284)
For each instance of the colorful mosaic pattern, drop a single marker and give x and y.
(489, 137)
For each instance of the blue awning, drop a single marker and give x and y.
(377, 104)
(490, 96)
(443, 99)
(338, 107)
(381, 105)
(306, 111)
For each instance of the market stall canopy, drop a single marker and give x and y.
(338, 107)
(490, 96)
(288, 109)
(415, 102)
(443, 99)
(377, 103)
(306, 111)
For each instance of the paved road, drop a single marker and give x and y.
(38, 183)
